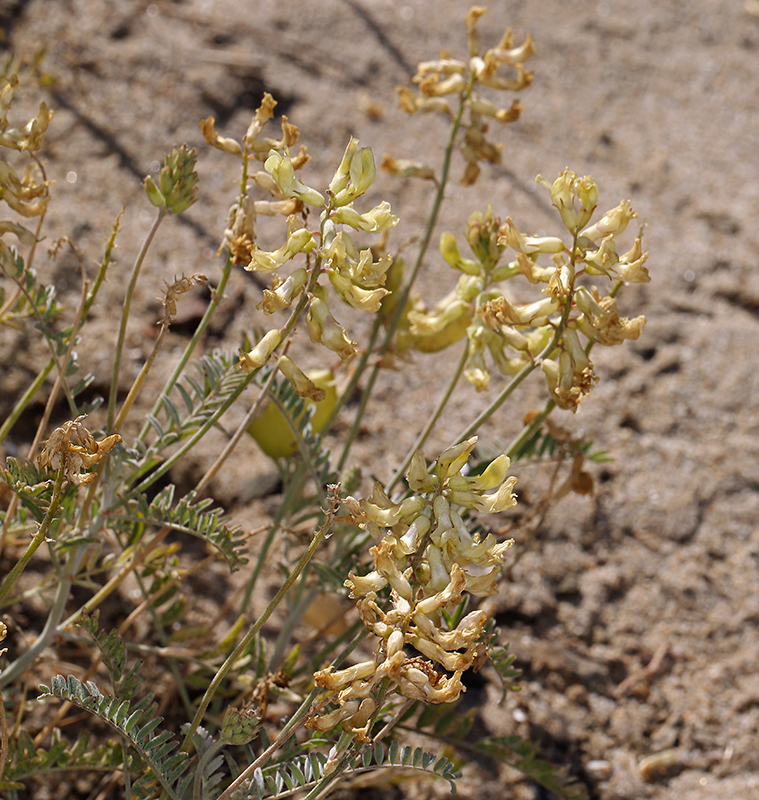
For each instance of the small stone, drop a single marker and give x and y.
(599, 769)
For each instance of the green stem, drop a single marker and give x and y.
(197, 786)
(162, 212)
(216, 297)
(319, 537)
(51, 624)
(261, 557)
(197, 436)
(518, 442)
(25, 399)
(292, 725)
(241, 428)
(140, 379)
(422, 438)
(424, 245)
(39, 537)
(294, 616)
(103, 268)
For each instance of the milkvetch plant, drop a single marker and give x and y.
(412, 555)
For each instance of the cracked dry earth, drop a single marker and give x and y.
(633, 612)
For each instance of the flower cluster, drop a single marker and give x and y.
(353, 274)
(177, 187)
(449, 76)
(60, 449)
(428, 558)
(23, 193)
(549, 331)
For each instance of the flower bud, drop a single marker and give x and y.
(376, 220)
(324, 329)
(259, 355)
(566, 192)
(152, 191)
(342, 173)
(362, 299)
(240, 727)
(492, 476)
(411, 103)
(362, 173)
(406, 168)
(335, 680)
(361, 585)
(482, 235)
(409, 542)
(299, 241)
(419, 479)
(487, 503)
(394, 643)
(449, 249)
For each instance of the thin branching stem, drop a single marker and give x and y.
(422, 252)
(160, 216)
(39, 537)
(116, 580)
(140, 379)
(293, 724)
(529, 430)
(432, 421)
(203, 761)
(217, 295)
(318, 538)
(51, 624)
(49, 341)
(25, 399)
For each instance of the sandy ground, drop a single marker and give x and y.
(656, 575)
